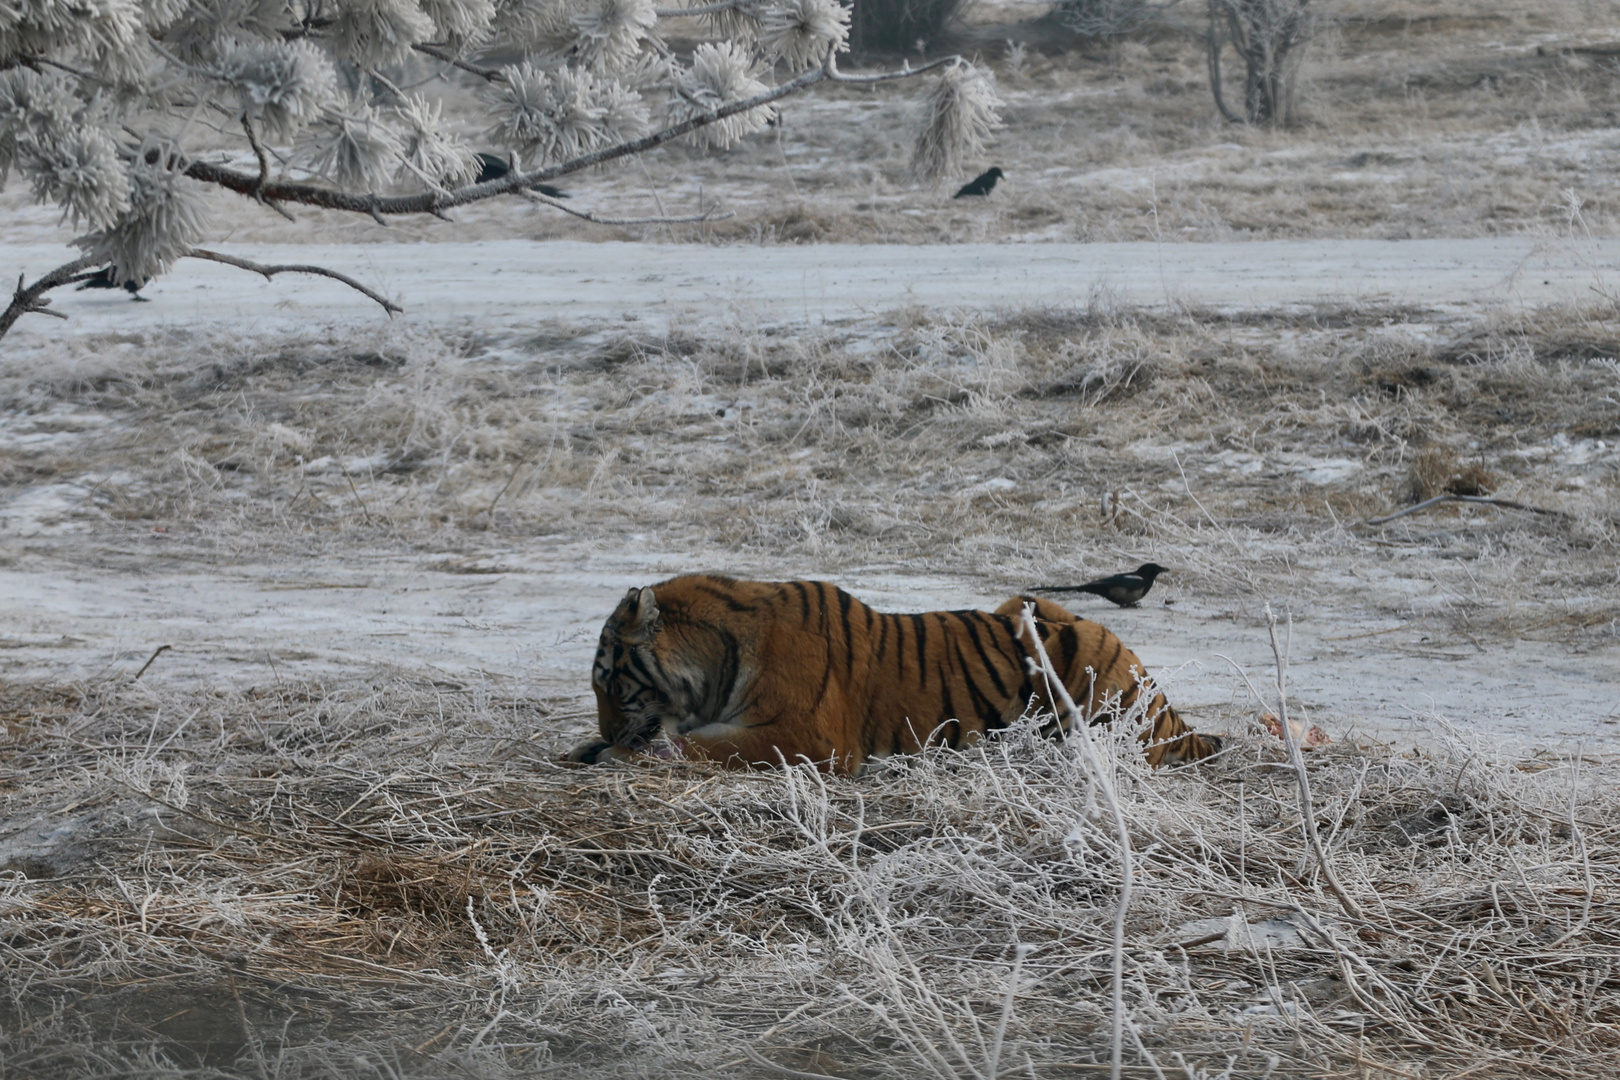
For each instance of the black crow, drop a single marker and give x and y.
(1122, 589)
(981, 184)
(491, 167)
(104, 279)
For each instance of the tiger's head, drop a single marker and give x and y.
(628, 677)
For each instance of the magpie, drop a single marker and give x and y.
(981, 184)
(1121, 589)
(491, 167)
(105, 279)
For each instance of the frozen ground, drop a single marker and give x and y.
(525, 619)
(496, 283)
(467, 491)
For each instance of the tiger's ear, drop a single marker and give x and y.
(640, 615)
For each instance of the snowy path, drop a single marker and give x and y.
(528, 618)
(518, 281)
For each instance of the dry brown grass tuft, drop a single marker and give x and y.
(411, 888)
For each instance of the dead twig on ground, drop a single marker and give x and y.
(1508, 504)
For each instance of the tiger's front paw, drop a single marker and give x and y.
(595, 752)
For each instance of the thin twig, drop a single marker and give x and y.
(264, 170)
(1296, 756)
(159, 651)
(1019, 952)
(706, 215)
(782, 1070)
(271, 271)
(1579, 842)
(1482, 499)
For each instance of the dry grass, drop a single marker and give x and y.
(389, 877)
(1040, 443)
(395, 881)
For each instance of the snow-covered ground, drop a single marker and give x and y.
(493, 283)
(526, 617)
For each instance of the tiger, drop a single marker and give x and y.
(762, 673)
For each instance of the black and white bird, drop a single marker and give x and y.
(106, 279)
(981, 184)
(491, 167)
(1122, 589)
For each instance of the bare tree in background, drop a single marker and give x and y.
(123, 113)
(1267, 35)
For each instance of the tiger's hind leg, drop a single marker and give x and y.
(1168, 740)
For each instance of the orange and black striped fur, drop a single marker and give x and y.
(753, 672)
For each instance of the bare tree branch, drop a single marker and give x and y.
(264, 170)
(430, 202)
(887, 76)
(31, 300)
(292, 268)
(438, 53)
(586, 215)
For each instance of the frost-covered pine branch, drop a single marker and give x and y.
(113, 110)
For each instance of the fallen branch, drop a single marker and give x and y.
(294, 268)
(1426, 503)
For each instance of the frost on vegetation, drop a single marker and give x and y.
(429, 154)
(800, 33)
(942, 915)
(721, 74)
(353, 145)
(460, 22)
(609, 34)
(550, 116)
(307, 97)
(377, 33)
(282, 85)
(962, 112)
(167, 215)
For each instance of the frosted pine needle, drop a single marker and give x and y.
(460, 21)
(352, 146)
(377, 33)
(282, 85)
(800, 32)
(557, 115)
(31, 105)
(610, 33)
(167, 216)
(720, 74)
(82, 173)
(962, 112)
(430, 155)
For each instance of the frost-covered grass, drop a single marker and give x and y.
(1032, 446)
(387, 875)
(397, 881)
